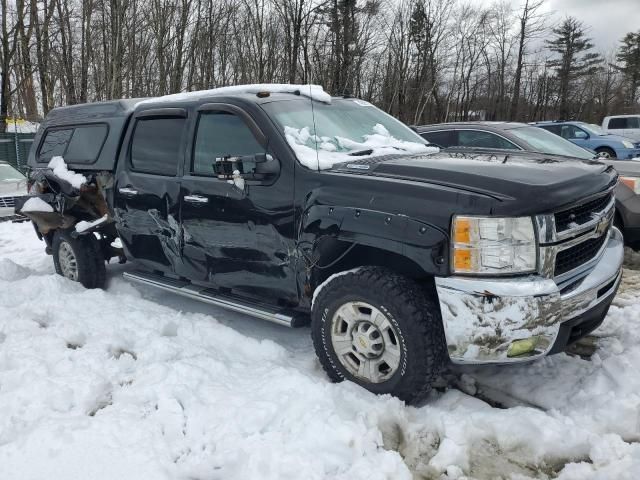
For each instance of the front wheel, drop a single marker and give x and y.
(381, 331)
(605, 152)
(78, 259)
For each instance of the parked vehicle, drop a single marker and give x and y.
(289, 205)
(627, 218)
(625, 125)
(502, 136)
(12, 184)
(591, 136)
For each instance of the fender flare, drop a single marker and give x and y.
(425, 244)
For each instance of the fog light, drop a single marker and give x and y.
(522, 347)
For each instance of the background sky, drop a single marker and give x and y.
(607, 21)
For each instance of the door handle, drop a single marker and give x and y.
(195, 199)
(127, 191)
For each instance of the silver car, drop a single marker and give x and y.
(12, 184)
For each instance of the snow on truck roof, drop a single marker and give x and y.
(124, 106)
(314, 92)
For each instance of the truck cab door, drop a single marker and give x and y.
(238, 229)
(147, 189)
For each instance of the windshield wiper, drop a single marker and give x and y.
(361, 153)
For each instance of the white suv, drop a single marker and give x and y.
(12, 184)
(625, 125)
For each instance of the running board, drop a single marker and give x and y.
(206, 295)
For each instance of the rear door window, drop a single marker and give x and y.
(476, 138)
(617, 123)
(442, 138)
(221, 134)
(553, 129)
(156, 145)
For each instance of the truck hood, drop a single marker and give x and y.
(525, 181)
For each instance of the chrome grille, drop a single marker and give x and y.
(581, 214)
(573, 238)
(574, 257)
(6, 202)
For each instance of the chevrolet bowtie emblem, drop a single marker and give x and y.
(602, 225)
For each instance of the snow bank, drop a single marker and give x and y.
(315, 92)
(11, 271)
(323, 152)
(133, 383)
(60, 170)
(35, 204)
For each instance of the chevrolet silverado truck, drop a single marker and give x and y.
(293, 206)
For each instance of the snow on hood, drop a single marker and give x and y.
(333, 150)
(314, 92)
(60, 170)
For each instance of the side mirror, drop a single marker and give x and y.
(260, 167)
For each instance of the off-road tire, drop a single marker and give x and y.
(413, 312)
(89, 259)
(609, 151)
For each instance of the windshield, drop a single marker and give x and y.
(9, 174)
(593, 129)
(323, 134)
(546, 142)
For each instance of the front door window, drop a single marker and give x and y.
(220, 135)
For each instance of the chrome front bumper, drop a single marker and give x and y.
(483, 318)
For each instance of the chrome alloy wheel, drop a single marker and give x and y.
(365, 342)
(68, 262)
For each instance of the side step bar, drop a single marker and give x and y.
(206, 295)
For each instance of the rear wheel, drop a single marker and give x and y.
(381, 331)
(78, 259)
(606, 152)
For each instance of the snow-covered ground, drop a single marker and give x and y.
(132, 383)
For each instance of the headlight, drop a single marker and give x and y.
(632, 182)
(627, 144)
(485, 245)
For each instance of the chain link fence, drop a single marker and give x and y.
(14, 149)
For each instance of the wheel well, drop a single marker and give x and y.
(604, 147)
(342, 256)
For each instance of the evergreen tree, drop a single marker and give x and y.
(629, 58)
(574, 60)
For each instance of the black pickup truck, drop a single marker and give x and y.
(284, 203)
